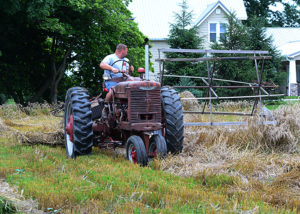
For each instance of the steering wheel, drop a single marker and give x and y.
(124, 61)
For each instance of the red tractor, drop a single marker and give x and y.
(144, 117)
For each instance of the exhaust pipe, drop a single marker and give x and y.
(147, 58)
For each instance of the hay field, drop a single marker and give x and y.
(265, 159)
(259, 162)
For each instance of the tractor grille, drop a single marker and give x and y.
(145, 106)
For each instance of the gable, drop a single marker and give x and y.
(204, 27)
(211, 9)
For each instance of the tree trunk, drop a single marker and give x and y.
(58, 74)
(15, 97)
(55, 76)
(21, 98)
(53, 69)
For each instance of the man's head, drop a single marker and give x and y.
(121, 50)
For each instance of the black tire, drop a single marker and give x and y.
(136, 151)
(77, 103)
(173, 119)
(158, 146)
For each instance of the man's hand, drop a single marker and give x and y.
(105, 66)
(131, 69)
(114, 70)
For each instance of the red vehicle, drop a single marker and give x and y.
(144, 117)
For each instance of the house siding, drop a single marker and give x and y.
(203, 32)
(154, 51)
(204, 28)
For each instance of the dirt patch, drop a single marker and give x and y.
(19, 202)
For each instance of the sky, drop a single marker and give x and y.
(279, 6)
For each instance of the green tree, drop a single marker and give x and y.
(240, 37)
(21, 50)
(183, 36)
(260, 41)
(235, 38)
(261, 9)
(289, 17)
(42, 39)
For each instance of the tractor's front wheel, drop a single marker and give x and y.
(136, 151)
(78, 123)
(157, 146)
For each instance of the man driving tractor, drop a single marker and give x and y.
(112, 65)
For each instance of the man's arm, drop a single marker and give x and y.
(105, 66)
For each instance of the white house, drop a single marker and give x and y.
(287, 40)
(155, 16)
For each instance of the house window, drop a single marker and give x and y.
(216, 31)
(213, 32)
(222, 30)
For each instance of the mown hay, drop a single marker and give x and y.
(51, 134)
(283, 137)
(2, 126)
(33, 124)
(234, 106)
(189, 105)
(17, 202)
(50, 138)
(254, 152)
(15, 111)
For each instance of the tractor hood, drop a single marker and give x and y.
(123, 88)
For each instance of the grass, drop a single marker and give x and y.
(10, 102)
(103, 180)
(6, 206)
(99, 180)
(272, 105)
(291, 97)
(219, 171)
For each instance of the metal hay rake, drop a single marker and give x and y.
(209, 80)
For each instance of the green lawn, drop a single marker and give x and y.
(272, 105)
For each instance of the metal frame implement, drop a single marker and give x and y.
(210, 83)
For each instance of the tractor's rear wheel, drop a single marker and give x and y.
(158, 146)
(78, 123)
(136, 151)
(173, 119)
